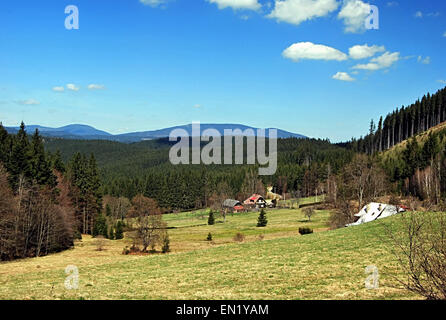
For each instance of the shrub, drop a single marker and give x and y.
(262, 221)
(100, 243)
(239, 237)
(420, 250)
(209, 238)
(304, 231)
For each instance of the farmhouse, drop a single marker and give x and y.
(233, 205)
(374, 211)
(255, 200)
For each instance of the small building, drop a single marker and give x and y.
(233, 205)
(374, 211)
(255, 200)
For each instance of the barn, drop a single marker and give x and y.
(233, 205)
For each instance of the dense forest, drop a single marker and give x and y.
(144, 168)
(403, 123)
(44, 205)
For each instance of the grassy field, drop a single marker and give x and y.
(284, 265)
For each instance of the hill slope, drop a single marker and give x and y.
(325, 265)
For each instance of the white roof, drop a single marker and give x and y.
(374, 211)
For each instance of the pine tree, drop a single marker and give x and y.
(211, 219)
(209, 238)
(19, 161)
(166, 244)
(119, 234)
(100, 227)
(111, 234)
(262, 221)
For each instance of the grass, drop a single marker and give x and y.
(285, 265)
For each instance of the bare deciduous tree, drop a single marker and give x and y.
(150, 227)
(421, 252)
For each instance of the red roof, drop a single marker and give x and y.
(253, 199)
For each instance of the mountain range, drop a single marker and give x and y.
(85, 132)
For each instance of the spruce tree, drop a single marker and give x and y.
(100, 227)
(166, 244)
(211, 219)
(119, 234)
(262, 221)
(111, 234)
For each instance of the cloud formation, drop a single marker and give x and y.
(96, 87)
(153, 3)
(426, 60)
(72, 87)
(309, 50)
(298, 11)
(364, 51)
(237, 4)
(58, 89)
(382, 62)
(354, 14)
(29, 102)
(343, 76)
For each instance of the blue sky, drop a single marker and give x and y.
(138, 65)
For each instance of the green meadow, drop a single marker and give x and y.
(274, 262)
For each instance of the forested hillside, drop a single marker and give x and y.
(44, 204)
(403, 123)
(144, 168)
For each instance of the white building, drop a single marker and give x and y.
(374, 211)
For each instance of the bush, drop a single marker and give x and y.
(100, 243)
(211, 219)
(420, 249)
(209, 238)
(304, 231)
(262, 221)
(239, 237)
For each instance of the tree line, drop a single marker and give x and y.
(44, 205)
(402, 124)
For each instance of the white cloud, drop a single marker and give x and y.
(58, 89)
(308, 50)
(444, 34)
(29, 102)
(72, 87)
(96, 87)
(343, 76)
(392, 4)
(197, 106)
(382, 62)
(153, 3)
(426, 60)
(442, 81)
(237, 4)
(365, 51)
(418, 14)
(354, 14)
(298, 11)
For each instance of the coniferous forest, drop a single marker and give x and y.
(53, 190)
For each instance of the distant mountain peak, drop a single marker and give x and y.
(86, 132)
